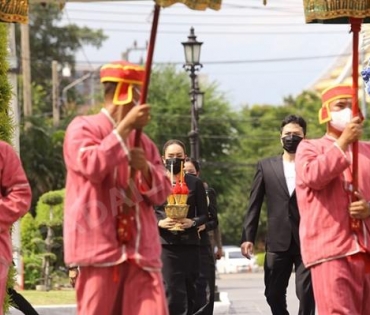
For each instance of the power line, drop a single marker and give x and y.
(226, 32)
(230, 62)
(287, 59)
(202, 23)
(197, 14)
(81, 46)
(213, 32)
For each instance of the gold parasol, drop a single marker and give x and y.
(14, 11)
(336, 12)
(192, 4)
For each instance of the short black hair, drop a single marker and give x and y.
(194, 162)
(294, 119)
(173, 141)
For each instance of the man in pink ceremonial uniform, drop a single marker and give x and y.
(15, 200)
(110, 230)
(335, 220)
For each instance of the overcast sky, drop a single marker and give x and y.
(256, 53)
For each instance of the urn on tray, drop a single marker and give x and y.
(176, 207)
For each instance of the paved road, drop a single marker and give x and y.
(246, 294)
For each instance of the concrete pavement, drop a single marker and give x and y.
(246, 293)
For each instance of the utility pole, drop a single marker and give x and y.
(16, 231)
(26, 70)
(55, 81)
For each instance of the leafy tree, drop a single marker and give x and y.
(42, 240)
(169, 98)
(41, 144)
(41, 148)
(50, 40)
(307, 105)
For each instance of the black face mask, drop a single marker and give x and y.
(192, 174)
(176, 162)
(290, 143)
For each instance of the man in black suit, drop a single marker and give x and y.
(275, 181)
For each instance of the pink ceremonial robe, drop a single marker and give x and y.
(322, 181)
(142, 291)
(97, 161)
(14, 203)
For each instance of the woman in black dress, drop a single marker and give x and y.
(180, 249)
(205, 285)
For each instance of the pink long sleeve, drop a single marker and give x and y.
(15, 189)
(322, 175)
(317, 166)
(90, 155)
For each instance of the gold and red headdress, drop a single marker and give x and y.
(331, 94)
(126, 75)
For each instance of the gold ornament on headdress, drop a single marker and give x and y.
(14, 11)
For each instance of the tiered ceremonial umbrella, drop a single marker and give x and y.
(13, 11)
(344, 12)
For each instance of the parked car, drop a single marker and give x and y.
(232, 261)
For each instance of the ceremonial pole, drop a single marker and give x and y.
(355, 29)
(148, 64)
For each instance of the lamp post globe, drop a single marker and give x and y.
(192, 49)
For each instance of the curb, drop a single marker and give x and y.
(223, 306)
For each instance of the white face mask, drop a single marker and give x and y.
(340, 119)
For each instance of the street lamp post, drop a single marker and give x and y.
(192, 65)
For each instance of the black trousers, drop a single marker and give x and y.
(19, 302)
(278, 269)
(180, 272)
(205, 285)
